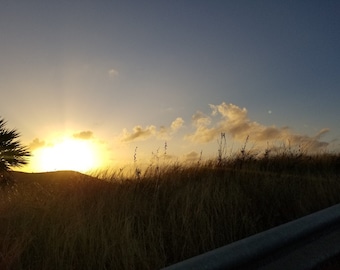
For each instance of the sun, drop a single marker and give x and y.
(68, 154)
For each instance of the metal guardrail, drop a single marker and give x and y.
(300, 244)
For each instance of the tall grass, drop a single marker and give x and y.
(161, 215)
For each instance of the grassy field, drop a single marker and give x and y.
(159, 215)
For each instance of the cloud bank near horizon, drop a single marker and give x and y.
(229, 119)
(233, 121)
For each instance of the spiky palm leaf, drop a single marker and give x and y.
(12, 153)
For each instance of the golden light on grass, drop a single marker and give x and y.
(68, 154)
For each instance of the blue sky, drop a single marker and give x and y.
(139, 73)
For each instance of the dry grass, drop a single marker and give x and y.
(165, 214)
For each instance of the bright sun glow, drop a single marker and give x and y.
(70, 154)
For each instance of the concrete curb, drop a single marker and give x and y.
(262, 250)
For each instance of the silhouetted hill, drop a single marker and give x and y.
(50, 178)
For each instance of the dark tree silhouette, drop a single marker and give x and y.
(12, 153)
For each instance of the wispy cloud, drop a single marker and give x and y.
(83, 135)
(140, 133)
(234, 121)
(113, 72)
